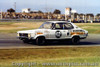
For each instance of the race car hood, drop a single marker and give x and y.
(27, 31)
(31, 31)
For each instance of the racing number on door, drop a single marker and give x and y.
(58, 34)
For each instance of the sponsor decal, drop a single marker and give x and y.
(77, 33)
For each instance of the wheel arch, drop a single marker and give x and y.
(76, 36)
(40, 40)
(40, 36)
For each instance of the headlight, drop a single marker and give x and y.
(18, 34)
(29, 35)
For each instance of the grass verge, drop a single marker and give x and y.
(60, 55)
(11, 27)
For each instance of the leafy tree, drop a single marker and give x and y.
(10, 10)
(56, 11)
(98, 15)
(90, 15)
(76, 14)
(40, 11)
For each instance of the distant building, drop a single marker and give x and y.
(26, 10)
(74, 14)
(90, 17)
(97, 18)
(67, 13)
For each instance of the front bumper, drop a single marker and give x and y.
(84, 36)
(23, 38)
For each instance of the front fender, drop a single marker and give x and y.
(75, 36)
(38, 36)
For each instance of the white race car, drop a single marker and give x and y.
(55, 31)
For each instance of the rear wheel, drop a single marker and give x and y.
(40, 40)
(75, 40)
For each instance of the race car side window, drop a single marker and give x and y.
(62, 26)
(57, 26)
(68, 26)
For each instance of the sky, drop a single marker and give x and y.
(81, 6)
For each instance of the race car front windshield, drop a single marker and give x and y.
(46, 25)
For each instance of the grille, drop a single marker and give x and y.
(23, 35)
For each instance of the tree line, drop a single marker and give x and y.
(56, 11)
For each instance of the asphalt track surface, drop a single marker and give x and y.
(9, 41)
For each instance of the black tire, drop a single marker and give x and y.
(25, 41)
(40, 41)
(75, 40)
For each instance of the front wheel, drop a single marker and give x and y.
(75, 40)
(40, 40)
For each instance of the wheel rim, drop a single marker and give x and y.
(40, 41)
(76, 40)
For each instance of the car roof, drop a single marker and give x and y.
(58, 22)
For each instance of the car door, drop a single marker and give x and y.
(68, 27)
(58, 31)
